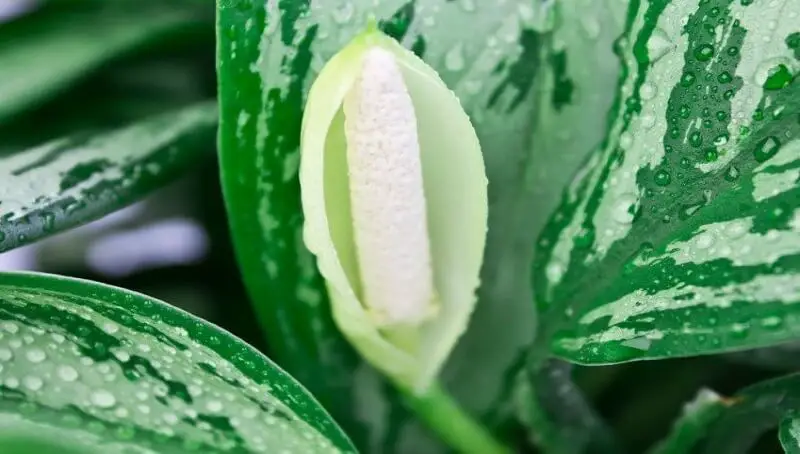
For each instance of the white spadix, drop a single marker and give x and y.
(386, 194)
(394, 197)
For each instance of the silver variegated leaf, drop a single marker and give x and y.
(681, 234)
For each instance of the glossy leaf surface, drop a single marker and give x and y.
(269, 53)
(752, 412)
(102, 369)
(71, 49)
(789, 434)
(680, 236)
(71, 181)
(693, 423)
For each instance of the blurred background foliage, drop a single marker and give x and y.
(100, 65)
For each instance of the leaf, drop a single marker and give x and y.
(71, 181)
(693, 423)
(789, 435)
(581, 73)
(268, 55)
(753, 411)
(680, 235)
(558, 417)
(46, 52)
(103, 369)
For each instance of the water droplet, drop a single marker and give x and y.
(67, 373)
(778, 78)
(703, 240)
(662, 177)
(710, 154)
(591, 26)
(659, 45)
(688, 78)
(624, 209)
(732, 174)
(214, 406)
(739, 330)
(648, 120)
(9, 327)
(721, 139)
(33, 382)
(467, 5)
(695, 139)
(684, 111)
(454, 58)
(765, 69)
(5, 354)
(648, 91)
(704, 52)
(36, 355)
(11, 382)
(625, 140)
(102, 398)
(767, 148)
(344, 13)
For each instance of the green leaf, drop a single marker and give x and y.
(693, 423)
(557, 415)
(753, 411)
(680, 236)
(268, 55)
(789, 435)
(581, 73)
(71, 181)
(46, 52)
(102, 369)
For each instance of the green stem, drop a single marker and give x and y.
(459, 430)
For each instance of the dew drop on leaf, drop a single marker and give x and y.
(704, 52)
(767, 148)
(662, 177)
(454, 58)
(659, 45)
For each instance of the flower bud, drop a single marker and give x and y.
(394, 197)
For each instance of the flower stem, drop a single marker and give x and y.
(460, 431)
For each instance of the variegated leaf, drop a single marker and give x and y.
(789, 434)
(693, 423)
(746, 416)
(681, 235)
(70, 181)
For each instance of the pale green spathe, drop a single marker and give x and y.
(454, 183)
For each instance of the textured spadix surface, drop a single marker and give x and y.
(453, 197)
(386, 194)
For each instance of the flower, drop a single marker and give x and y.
(394, 197)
